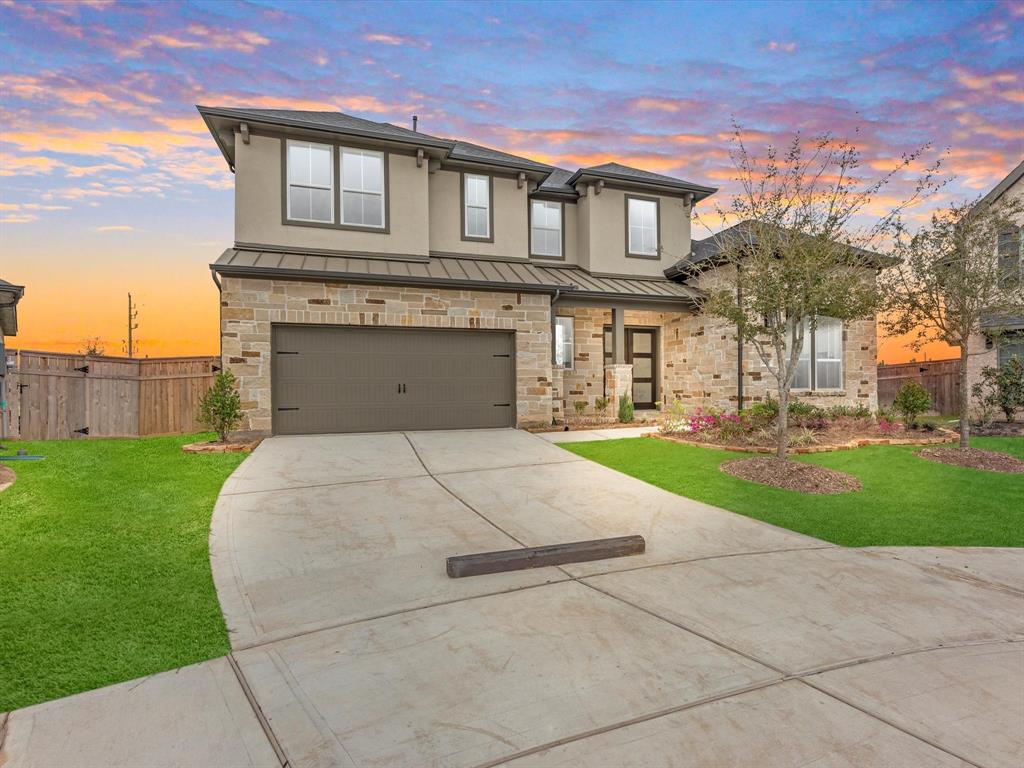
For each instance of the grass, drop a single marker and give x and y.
(905, 501)
(104, 565)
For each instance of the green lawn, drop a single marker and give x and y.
(905, 501)
(104, 565)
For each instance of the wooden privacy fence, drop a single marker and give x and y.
(55, 396)
(940, 377)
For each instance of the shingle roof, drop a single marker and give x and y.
(994, 321)
(706, 251)
(556, 182)
(619, 172)
(464, 150)
(453, 271)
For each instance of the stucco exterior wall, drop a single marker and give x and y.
(249, 306)
(258, 201)
(603, 229)
(511, 231)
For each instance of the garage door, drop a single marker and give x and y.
(350, 379)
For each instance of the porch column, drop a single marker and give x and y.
(618, 376)
(618, 336)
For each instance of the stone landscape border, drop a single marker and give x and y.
(947, 436)
(212, 447)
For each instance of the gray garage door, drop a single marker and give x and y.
(348, 379)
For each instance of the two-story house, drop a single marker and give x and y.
(382, 279)
(1001, 337)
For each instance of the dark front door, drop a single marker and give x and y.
(641, 353)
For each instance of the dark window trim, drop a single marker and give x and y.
(656, 256)
(1013, 338)
(1011, 263)
(462, 208)
(561, 227)
(336, 150)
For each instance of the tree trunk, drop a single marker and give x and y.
(782, 424)
(965, 422)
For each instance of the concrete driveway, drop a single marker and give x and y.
(728, 643)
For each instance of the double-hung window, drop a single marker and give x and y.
(1010, 345)
(1010, 250)
(310, 182)
(362, 188)
(821, 358)
(641, 227)
(546, 229)
(563, 342)
(476, 215)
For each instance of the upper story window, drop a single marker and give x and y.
(310, 182)
(821, 360)
(1010, 345)
(362, 188)
(1010, 249)
(476, 207)
(546, 229)
(642, 227)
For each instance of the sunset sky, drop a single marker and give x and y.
(110, 183)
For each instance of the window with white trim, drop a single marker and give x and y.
(310, 182)
(821, 359)
(362, 188)
(643, 227)
(477, 215)
(563, 342)
(545, 229)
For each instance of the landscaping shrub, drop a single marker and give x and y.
(626, 408)
(760, 415)
(911, 401)
(601, 405)
(221, 407)
(1001, 388)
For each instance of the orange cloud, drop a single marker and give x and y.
(674, 138)
(116, 228)
(196, 36)
(648, 104)
(389, 39)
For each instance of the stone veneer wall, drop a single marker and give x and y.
(697, 361)
(250, 305)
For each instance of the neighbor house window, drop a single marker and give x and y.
(310, 182)
(563, 342)
(546, 229)
(362, 188)
(1010, 345)
(476, 195)
(1011, 260)
(641, 227)
(821, 359)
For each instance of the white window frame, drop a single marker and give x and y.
(363, 191)
(638, 251)
(809, 360)
(564, 350)
(288, 181)
(466, 206)
(534, 227)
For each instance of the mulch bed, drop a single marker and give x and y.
(999, 429)
(6, 477)
(990, 461)
(791, 475)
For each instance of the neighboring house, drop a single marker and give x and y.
(1002, 337)
(382, 278)
(10, 295)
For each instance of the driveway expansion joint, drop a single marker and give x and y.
(258, 711)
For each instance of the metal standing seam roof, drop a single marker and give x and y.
(452, 271)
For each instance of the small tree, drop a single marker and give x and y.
(911, 401)
(796, 254)
(625, 408)
(92, 347)
(948, 279)
(1002, 387)
(221, 407)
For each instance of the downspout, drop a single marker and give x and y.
(220, 318)
(554, 300)
(739, 356)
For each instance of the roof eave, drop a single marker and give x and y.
(699, 192)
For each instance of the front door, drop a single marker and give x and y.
(641, 353)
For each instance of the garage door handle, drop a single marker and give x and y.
(282, 352)
(503, 405)
(501, 355)
(290, 408)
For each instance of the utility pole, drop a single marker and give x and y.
(133, 314)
